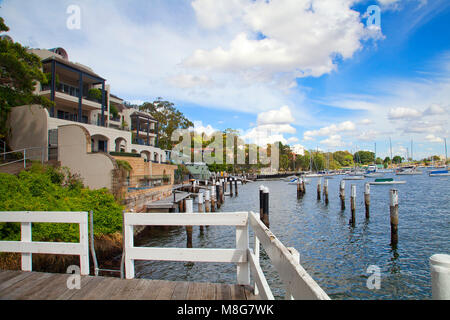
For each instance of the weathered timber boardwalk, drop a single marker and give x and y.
(19, 285)
(168, 203)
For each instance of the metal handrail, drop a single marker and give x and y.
(24, 159)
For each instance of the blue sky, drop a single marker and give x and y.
(307, 72)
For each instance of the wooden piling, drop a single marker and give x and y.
(394, 216)
(213, 198)
(231, 187)
(353, 204)
(325, 191)
(207, 201)
(218, 199)
(261, 202)
(303, 187)
(236, 187)
(200, 206)
(367, 199)
(319, 188)
(266, 207)
(189, 209)
(298, 188)
(342, 194)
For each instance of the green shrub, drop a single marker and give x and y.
(45, 188)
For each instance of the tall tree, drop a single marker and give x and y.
(19, 73)
(169, 118)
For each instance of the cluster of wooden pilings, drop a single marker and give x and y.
(210, 197)
(323, 192)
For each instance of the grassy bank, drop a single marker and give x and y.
(46, 188)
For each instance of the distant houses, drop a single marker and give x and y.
(88, 128)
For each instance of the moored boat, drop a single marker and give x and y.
(386, 181)
(439, 173)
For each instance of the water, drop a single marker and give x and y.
(335, 254)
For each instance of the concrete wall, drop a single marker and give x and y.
(96, 169)
(28, 129)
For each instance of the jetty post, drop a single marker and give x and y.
(342, 194)
(299, 191)
(440, 276)
(218, 199)
(393, 195)
(319, 188)
(213, 198)
(353, 204)
(231, 187)
(189, 209)
(207, 201)
(236, 187)
(303, 186)
(261, 202)
(367, 199)
(200, 206)
(325, 190)
(266, 207)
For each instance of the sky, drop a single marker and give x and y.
(309, 73)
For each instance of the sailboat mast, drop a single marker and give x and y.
(445, 142)
(390, 145)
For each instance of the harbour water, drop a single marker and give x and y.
(334, 253)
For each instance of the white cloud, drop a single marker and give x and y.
(347, 126)
(403, 113)
(186, 81)
(285, 44)
(299, 149)
(292, 140)
(281, 116)
(199, 128)
(333, 141)
(432, 138)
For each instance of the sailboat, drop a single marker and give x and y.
(441, 173)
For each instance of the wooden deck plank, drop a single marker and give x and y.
(196, 290)
(21, 288)
(52, 289)
(237, 292)
(166, 291)
(68, 294)
(180, 291)
(20, 276)
(47, 286)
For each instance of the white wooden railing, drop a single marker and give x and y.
(27, 247)
(298, 284)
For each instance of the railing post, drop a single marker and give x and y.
(189, 209)
(257, 253)
(128, 244)
(296, 256)
(440, 276)
(94, 257)
(84, 241)
(242, 243)
(27, 260)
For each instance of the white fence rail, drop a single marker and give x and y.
(297, 282)
(27, 247)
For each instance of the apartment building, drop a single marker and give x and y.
(84, 98)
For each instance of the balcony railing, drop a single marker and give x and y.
(70, 90)
(136, 183)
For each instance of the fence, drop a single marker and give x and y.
(27, 247)
(22, 155)
(298, 284)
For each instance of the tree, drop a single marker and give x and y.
(19, 73)
(344, 158)
(397, 159)
(387, 160)
(364, 157)
(169, 119)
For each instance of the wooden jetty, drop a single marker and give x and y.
(20, 285)
(250, 278)
(168, 203)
